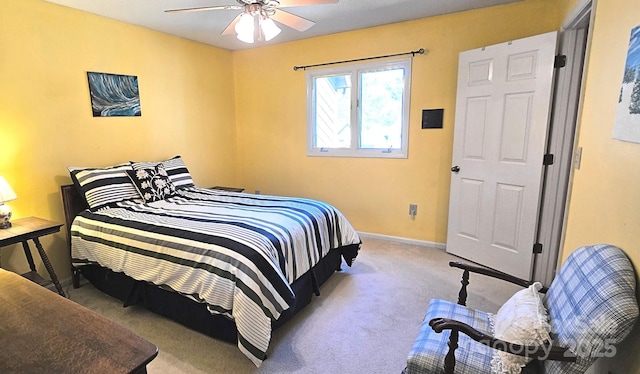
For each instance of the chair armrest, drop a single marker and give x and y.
(462, 295)
(540, 352)
(494, 274)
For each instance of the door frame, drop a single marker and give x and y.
(574, 42)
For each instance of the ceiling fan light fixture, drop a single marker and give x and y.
(256, 25)
(245, 28)
(256, 22)
(245, 37)
(269, 28)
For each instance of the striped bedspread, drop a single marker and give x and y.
(236, 252)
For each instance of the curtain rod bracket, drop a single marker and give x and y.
(420, 51)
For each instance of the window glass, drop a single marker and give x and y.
(332, 114)
(381, 109)
(359, 110)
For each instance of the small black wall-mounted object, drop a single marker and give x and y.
(432, 118)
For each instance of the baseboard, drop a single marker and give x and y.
(397, 239)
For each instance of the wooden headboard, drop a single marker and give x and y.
(73, 203)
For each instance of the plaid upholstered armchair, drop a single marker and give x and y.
(590, 306)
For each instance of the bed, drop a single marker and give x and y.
(231, 265)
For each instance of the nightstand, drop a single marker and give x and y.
(32, 228)
(223, 188)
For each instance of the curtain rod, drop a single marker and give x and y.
(420, 51)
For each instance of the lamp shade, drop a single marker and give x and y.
(6, 193)
(245, 28)
(269, 29)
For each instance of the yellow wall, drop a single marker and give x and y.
(373, 193)
(605, 196)
(46, 123)
(239, 118)
(596, 212)
(567, 6)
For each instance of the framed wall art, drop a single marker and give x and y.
(627, 126)
(114, 95)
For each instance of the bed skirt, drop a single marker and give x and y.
(195, 315)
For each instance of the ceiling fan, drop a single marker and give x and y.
(256, 20)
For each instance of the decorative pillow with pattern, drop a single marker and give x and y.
(104, 187)
(153, 184)
(175, 167)
(523, 319)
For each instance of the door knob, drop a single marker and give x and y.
(455, 169)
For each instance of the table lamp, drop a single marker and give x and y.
(6, 194)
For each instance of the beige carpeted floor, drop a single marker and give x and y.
(364, 321)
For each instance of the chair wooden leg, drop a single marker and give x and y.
(462, 296)
(450, 359)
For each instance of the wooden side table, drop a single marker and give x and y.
(44, 333)
(32, 228)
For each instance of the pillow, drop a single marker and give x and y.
(103, 187)
(153, 184)
(523, 319)
(175, 167)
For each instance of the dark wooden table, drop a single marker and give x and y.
(32, 228)
(42, 332)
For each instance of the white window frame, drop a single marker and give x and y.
(354, 150)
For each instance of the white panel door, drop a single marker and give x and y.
(501, 124)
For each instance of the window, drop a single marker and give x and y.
(360, 110)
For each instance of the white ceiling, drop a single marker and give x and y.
(206, 26)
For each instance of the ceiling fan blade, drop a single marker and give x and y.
(230, 30)
(291, 20)
(220, 7)
(288, 3)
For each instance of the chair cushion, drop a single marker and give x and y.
(592, 305)
(430, 347)
(523, 319)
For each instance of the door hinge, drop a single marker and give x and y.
(537, 248)
(548, 159)
(560, 61)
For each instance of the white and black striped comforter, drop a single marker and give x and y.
(236, 252)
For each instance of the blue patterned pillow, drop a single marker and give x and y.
(153, 184)
(103, 187)
(175, 167)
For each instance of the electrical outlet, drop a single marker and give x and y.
(413, 210)
(257, 192)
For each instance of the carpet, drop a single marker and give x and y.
(364, 321)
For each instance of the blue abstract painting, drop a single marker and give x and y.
(114, 95)
(627, 125)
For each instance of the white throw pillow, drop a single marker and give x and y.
(523, 319)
